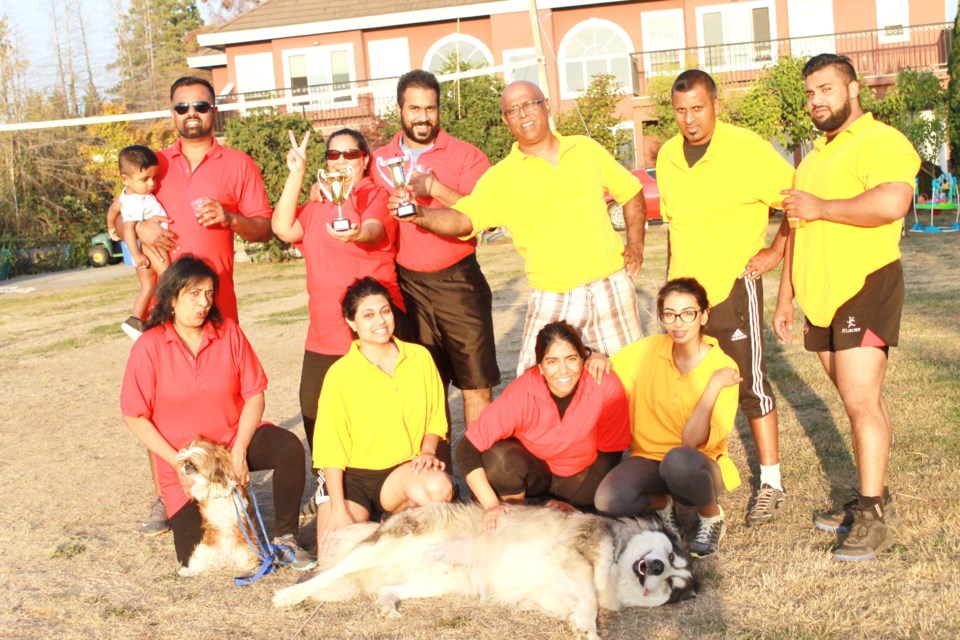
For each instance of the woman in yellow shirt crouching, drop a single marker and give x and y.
(683, 395)
(380, 419)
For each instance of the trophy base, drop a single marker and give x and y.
(406, 210)
(341, 224)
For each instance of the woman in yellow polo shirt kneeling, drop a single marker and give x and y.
(683, 392)
(380, 418)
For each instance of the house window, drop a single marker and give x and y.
(318, 71)
(663, 41)
(892, 17)
(737, 36)
(811, 27)
(468, 48)
(389, 59)
(530, 73)
(594, 47)
(254, 73)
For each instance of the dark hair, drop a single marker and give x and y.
(842, 63)
(683, 285)
(358, 138)
(357, 291)
(189, 81)
(691, 78)
(558, 332)
(417, 78)
(136, 158)
(186, 270)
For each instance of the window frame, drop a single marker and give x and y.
(568, 94)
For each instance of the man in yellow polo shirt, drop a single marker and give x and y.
(549, 193)
(717, 183)
(843, 265)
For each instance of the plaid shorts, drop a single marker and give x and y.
(603, 311)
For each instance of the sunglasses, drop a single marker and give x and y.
(348, 154)
(201, 106)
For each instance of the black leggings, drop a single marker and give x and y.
(271, 448)
(511, 470)
(685, 473)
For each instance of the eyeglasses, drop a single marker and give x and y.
(514, 112)
(200, 106)
(348, 154)
(687, 315)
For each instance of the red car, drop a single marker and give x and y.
(651, 195)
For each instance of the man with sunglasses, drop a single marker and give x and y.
(447, 296)
(209, 191)
(549, 193)
(717, 183)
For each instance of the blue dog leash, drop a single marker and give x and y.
(271, 556)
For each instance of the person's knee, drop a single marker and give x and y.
(438, 487)
(679, 463)
(612, 501)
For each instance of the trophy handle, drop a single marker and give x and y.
(385, 173)
(324, 187)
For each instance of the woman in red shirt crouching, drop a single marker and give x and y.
(194, 374)
(553, 432)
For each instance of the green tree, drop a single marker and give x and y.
(953, 96)
(917, 105)
(470, 111)
(263, 136)
(154, 39)
(661, 99)
(595, 115)
(775, 105)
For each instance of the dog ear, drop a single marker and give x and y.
(225, 473)
(687, 593)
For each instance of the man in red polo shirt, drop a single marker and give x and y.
(209, 193)
(447, 296)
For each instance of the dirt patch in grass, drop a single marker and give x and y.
(74, 483)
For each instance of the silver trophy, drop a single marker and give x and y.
(332, 185)
(399, 175)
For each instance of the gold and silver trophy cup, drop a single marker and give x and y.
(399, 175)
(332, 185)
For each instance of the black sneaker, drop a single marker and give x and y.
(133, 327)
(840, 521)
(708, 537)
(668, 516)
(869, 535)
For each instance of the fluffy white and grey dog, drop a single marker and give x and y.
(223, 545)
(566, 566)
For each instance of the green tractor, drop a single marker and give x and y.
(103, 250)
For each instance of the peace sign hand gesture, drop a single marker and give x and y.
(297, 155)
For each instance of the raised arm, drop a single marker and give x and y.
(696, 431)
(284, 222)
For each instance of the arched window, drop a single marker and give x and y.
(594, 46)
(472, 51)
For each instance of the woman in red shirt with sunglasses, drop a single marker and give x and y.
(334, 259)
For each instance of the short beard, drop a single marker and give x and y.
(193, 134)
(428, 139)
(835, 120)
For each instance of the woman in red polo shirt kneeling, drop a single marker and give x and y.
(194, 374)
(553, 432)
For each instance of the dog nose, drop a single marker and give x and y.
(189, 468)
(655, 567)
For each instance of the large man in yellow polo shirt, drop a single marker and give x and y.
(717, 182)
(549, 193)
(843, 265)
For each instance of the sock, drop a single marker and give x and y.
(667, 508)
(770, 474)
(713, 519)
